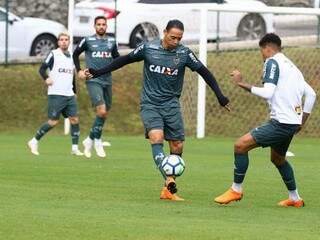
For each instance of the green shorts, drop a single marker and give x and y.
(276, 135)
(168, 119)
(65, 105)
(100, 94)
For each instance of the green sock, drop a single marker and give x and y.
(43, 130)
(96, 130)
(75, 133)
(241, 163)
(158, 156)
(287, 175)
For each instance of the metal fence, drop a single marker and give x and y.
(300, 37)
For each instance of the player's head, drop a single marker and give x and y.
(173, 33)
(63, 41)
(269, 45)
(100, 24)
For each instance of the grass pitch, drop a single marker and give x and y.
(59, 196)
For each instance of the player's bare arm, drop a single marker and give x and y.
(237, 79)
(49, 81)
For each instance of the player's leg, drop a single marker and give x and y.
(176, 147)
(75, 134)
(153, 125)
(71, 111)
(174, 134)
(241, 162)
(96, 94)
(286, 171)
(155, 136)
(96, 130)
(55, 107)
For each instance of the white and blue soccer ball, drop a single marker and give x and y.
(173, 165)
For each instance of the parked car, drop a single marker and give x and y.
(289, 3)
(28, 36)
(140, 20)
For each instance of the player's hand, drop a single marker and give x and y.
(49, 82)
(82, 75)
(88, 74)
(228, 107)
(236, 76)
(225, 102)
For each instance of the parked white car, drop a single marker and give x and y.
(28, 36)
(140, 20)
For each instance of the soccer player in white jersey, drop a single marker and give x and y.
(61, 93)
(283, 87)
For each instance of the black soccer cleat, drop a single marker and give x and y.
(172, 187)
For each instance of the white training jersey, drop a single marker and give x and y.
(62, 74)
(286, 104)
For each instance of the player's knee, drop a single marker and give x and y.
(156, 139)
(74, 120)
(240, 147)
(278, 161)
(156, 136)
(53, 123)
(103, 113)
(176, 147)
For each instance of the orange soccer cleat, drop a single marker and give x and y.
(228, 197)
(291, 203)
(167, 195)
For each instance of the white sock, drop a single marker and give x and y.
(237, 187)
(88, 139)
(98, 141)
(34, 141)
(294, 195)
(75, 147)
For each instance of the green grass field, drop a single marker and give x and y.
(58, 196)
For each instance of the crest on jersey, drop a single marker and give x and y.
(176, 60)
(109, 44)
(298, 110)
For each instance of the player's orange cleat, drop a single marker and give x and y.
(291, 203)
(228, 197)
(167, 195)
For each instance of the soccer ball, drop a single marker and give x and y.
(173, 165)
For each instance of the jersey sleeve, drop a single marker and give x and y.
(82, 46)
(115, 52)
(138, 53)
(47, 64)
(310, 98)
(271, 72)
(192, 61)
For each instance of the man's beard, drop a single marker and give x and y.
(101, 33)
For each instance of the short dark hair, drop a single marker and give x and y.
(175, 23)
(270, 38)
(98, 18)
